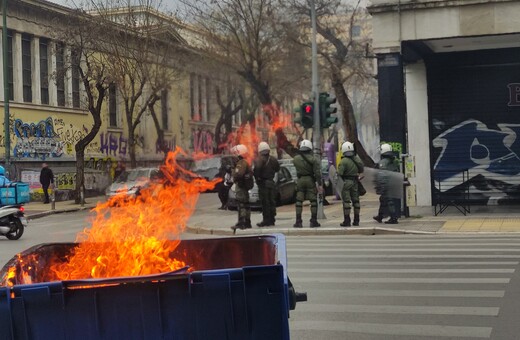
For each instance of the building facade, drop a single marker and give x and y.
(48, 115)
(449, 94)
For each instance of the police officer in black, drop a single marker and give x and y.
(264, 169)
(388, 206)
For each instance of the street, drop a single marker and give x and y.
(377, 287)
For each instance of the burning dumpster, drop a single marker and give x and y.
(238, 290)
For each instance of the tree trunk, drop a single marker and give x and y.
(160, 131)
(349, 119)
(80, 175)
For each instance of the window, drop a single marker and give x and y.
(356, 31)
(44, 70)
(60, 73)
(10, 71)
(192, 96)
(75, 63)
(112, 105)
(26, 68)
(208, 99)
(164, 110)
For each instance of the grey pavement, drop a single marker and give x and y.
(207, 219)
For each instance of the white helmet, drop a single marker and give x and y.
(263, 146)
(347, 147)
(239, 150)
(386, 148)
(305, 145)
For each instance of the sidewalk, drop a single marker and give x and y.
(207, 219)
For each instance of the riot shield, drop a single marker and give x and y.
(383, 182)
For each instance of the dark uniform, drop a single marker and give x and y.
(388, 206)
(265, 167)
(349, 169)
(242, 169)
(309, 173)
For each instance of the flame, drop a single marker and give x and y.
(133, 237)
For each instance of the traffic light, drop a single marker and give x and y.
(306, 118)
(326, 110)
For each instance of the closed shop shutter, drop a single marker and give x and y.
(474, 113)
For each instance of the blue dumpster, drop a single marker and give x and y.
(238, 290)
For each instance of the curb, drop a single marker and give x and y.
(308, 231)
(52, 212)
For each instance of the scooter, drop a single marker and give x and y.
(12, 221)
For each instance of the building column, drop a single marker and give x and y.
(83, 100)
(204, 103)
(53, 91)
(418, 136)
(67, 56)
(17, 68)
(36, 83)
(1, 69)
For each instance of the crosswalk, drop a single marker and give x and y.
(401, 287)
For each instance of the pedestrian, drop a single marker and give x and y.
(388, 206)
(120, 168)
(225, 186)
(243, 181)
(46, 180)
(264, 169)
(4, 181)
(309, 176)
(350, 169)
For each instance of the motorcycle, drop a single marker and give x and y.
(12, 221)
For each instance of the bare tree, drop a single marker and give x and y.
(143, 58)
(249, 38)
(343, 48)
(80, 33)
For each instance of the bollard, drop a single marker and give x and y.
(53, 200)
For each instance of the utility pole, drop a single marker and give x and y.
(316, 131)
(6, 85)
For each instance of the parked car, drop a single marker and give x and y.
(327, 183)
(285, 186)
(130, 182)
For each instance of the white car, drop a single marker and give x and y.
(130, 182)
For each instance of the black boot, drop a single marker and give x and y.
(346, 221)
(392, 220)
(314, 222)
(247, 224)
(298, 223)
(378, 218)
(239, 225)
(262, 224)
(356, 220)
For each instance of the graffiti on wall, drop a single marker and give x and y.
(203, 140)
(490, 156)
(37, 140)
(113, 144)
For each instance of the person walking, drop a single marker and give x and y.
(388, 206)
(243, 179)
(350, 169)
(46, 179)
(309, 175)
(264, 169)
(4, 181)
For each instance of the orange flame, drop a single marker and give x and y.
(129, 237)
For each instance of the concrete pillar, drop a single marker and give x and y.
(17, 68)
(35, 66)
(67, 56)
(53, 95)
(1, 69)
(418, 136)
(204, 102)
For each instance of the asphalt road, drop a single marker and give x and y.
(377, 287)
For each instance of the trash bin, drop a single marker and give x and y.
(238, 289)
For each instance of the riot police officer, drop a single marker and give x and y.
(350, 168)
(243, 179)
(309, 175)
(264, 169)
(388, 206)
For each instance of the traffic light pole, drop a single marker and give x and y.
(315, 93)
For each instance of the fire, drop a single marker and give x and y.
(133, 237)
